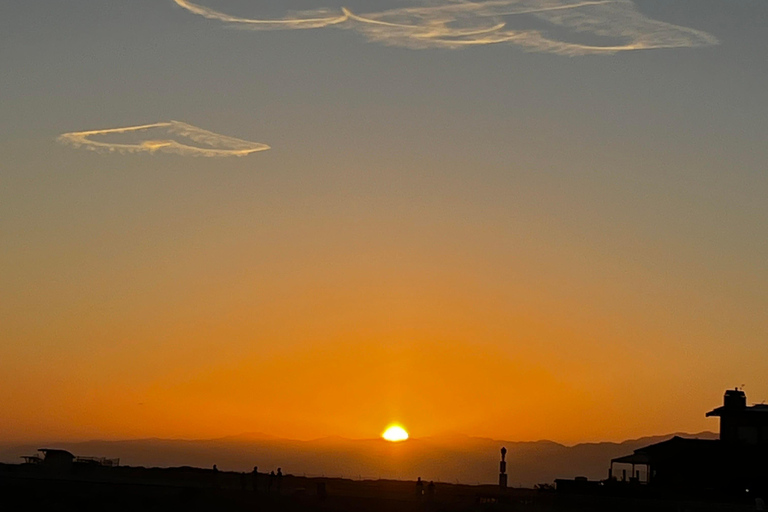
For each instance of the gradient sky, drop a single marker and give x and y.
(498, 240)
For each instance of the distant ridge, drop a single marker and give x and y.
(448, 457)
(248, 436)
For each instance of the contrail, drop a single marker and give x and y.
(458, 23)
(434, 26)
(211, 144)
(286, 23)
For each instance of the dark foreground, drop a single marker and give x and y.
(32, 487)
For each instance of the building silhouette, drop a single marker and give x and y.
(741, 424)
(62, 459)
(737, 462)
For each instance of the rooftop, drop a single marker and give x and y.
(751, 409)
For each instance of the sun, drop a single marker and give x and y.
(395, 433)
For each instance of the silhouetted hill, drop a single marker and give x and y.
(448, 458)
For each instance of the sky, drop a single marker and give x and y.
(517, 219)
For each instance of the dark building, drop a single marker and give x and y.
(56, 458)
(62, 459)
(741, 424)
(737, 462)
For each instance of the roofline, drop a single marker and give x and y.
(751, 409)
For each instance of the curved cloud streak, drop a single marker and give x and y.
(315, 19)
(209, 144)
(459, 23)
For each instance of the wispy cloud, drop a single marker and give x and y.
(205, 143)
(313, 19)
(460, 23)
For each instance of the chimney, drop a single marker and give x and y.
(734, 399)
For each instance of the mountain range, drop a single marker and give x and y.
(446, 458)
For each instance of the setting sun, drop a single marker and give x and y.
(395, 433)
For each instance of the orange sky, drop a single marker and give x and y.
(528, 237)
(334, 341)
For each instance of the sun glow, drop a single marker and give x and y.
(395, 433)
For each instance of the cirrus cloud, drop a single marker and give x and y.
(199, 142)
(459, 23)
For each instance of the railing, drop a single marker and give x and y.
(101, 461)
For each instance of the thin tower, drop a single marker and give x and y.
(503, 469)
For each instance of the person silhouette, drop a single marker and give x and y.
(419, 487)
(431, 489)
(215, 476)
(255, 478)
(279, 479)
(270, 481)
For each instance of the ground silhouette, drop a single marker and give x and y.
(452, 458)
